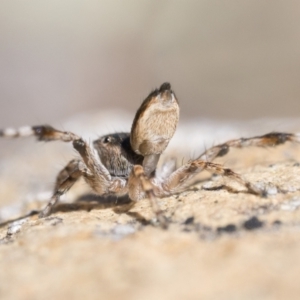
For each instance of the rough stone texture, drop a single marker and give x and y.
(220, 244)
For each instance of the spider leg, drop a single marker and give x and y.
(149, 163)
(182, 177)
(64, 181)
(99, 178)
(139, 187)
(71, 173)
(271, 139)
(42, 132)
(91, 168)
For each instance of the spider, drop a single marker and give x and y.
(126, 163)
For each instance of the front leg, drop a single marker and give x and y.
(41, 132)
(140, 187)
(94, 173)
(100, 180)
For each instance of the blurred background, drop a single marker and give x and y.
(85, 66)
(225, 59)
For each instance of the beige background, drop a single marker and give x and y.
(225, 59)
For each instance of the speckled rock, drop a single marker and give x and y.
(221, 243)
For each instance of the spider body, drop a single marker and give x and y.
(125, 163)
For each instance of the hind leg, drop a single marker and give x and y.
(180, 179)
(268, 140)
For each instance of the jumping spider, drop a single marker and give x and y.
(125, 163)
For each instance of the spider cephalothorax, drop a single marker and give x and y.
(125, 163)
(116, 154)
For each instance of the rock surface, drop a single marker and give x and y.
(221, 244)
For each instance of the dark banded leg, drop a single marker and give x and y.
(268, 140)
(64, 181)
(100, 179)
(139, 187)
(42, 133)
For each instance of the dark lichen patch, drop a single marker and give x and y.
(230, 228)
(189, 220)
(189, 225)
(253, 223)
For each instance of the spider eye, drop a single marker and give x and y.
(107, 139)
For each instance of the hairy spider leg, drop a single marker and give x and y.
(180, 179)
(140, 187)
(64, 181)
(271, 139)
